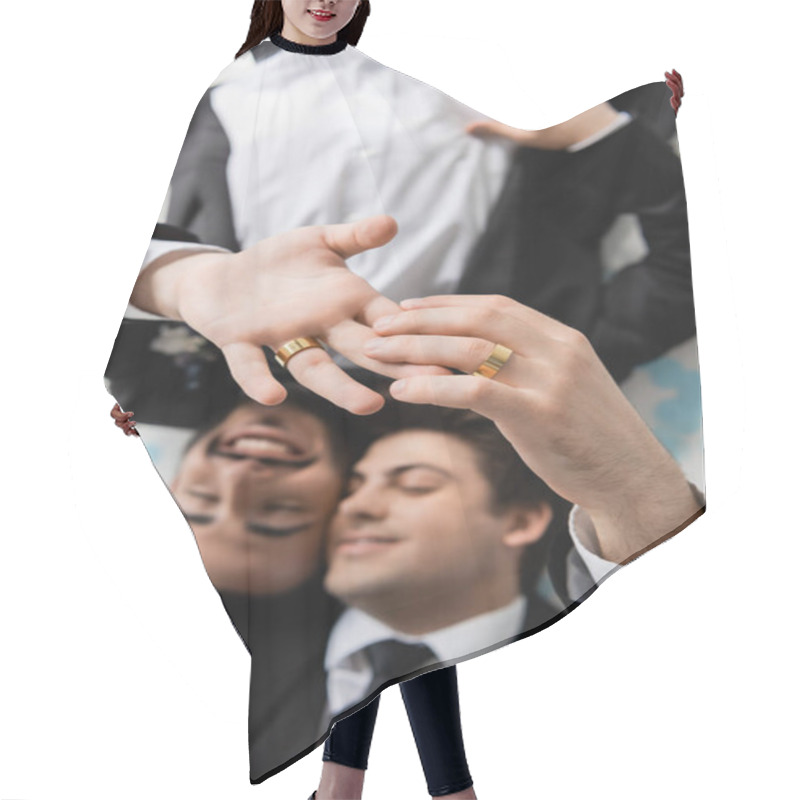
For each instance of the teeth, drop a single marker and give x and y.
(262, 445)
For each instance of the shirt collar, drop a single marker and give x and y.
(355, 629)
(309, 49)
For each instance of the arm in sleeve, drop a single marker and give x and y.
(199, 214)
(647, 307)
(198, 218)
(550, 226)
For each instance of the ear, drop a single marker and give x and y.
(527, 525)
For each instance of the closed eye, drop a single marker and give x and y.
(253, 527)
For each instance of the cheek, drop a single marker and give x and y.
(443, 513)
(325, 488)
(435, 528)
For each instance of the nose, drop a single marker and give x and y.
(243, 483)
(368, 501)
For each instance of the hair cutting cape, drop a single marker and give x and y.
(322, 589)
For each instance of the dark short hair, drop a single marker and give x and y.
(511, 481)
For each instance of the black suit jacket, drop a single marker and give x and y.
(542, 244)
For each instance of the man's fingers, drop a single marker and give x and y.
(480, 322)
(505, 305)
(350, 238)
(483, 395)
(378, 306)
(316, 370)
(349, 338)
(249, 368)
(465, 353)
(312, 367)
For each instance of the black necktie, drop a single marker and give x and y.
(391, 658)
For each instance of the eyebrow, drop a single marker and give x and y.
(395, 471)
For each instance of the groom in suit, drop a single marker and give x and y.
(412, 594)
(428, 480)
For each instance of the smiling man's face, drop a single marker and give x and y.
(259, 490)
(415, 529)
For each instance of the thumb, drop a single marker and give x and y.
(350, 238)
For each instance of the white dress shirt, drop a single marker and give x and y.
(350, 673)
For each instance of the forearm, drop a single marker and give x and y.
(580, 130)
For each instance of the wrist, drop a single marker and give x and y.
(659, 503)
(159, 287)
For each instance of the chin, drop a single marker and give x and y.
(348, 588)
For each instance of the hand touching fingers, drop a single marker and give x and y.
(459, 352)
(313, 368)
(502, 304)
(490, 398)
(484, 322)
(376, 307)
(350, 339)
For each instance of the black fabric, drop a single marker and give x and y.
(310, 49)
(542, 244)
(391, 657)
(172, 233)
(199, 197)
(286, 636)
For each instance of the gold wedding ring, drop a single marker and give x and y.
(499, 355)
(293, 347)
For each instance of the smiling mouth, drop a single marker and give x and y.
(365, 544)
(260, 442)
(321, 15)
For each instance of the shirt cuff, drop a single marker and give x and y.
(157, 248)
(623, 118)
(580, 522)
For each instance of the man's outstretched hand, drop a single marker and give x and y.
(294, 284)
